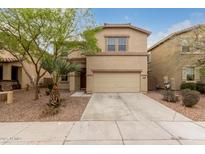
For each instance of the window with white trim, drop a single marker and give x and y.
(111, 44)
(118, 44)
(122, 44)
(190, 74)
(185, 46)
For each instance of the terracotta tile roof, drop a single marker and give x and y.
(5, 56)
(175, 34)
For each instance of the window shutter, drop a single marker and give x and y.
(197, 73)
(183, 73)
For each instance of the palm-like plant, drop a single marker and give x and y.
(57, 67)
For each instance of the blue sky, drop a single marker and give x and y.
(160, 22)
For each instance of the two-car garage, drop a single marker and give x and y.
(116, 73)
(116, 82)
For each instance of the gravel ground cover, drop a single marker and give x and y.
(196, 113)
(25, 108)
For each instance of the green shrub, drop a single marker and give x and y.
(184, 91)
(194, 86)
(200, 87)
(169, 96)
(190, 97)
(191, 86)
(50, 86)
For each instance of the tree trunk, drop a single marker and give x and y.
(36, 97)
(55, 96)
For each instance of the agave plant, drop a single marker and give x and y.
(57, 67)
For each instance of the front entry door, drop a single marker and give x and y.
(14, 73)
(83, 79)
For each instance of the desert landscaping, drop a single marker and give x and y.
(24, 108)
(196, 113)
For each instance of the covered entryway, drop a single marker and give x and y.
(83, 79)
(116, 82)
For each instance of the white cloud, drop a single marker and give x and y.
(126, 18)
(173, 28)
(180, 26)
(194, 18)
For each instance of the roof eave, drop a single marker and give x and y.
(126, 26)
(174, 34)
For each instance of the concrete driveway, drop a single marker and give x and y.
(128, 106)
(111, 118)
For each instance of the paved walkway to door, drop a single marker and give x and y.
(111, 118)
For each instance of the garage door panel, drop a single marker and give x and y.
(116, 82)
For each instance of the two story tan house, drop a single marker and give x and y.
(174, 58)
(121, 66)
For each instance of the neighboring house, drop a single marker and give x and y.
(173, 57)
(12, 74)
(121, 66)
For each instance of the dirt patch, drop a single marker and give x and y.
(196, 113)
(25, 108)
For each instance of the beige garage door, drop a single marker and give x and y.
(116, 82)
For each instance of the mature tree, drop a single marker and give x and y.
(29, 34)
(195, 43)
(57, 67)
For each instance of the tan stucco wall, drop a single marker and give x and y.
(63, 85)
(137, 41)
(168, 60)
(75, 54)
(74, 81)
(116, 62)
(6, 71)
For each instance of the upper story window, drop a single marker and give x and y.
(122, 44)
(117, 44)
(111, 44)
(185, 48)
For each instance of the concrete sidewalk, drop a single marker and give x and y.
(111, 119)
(102, 132)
